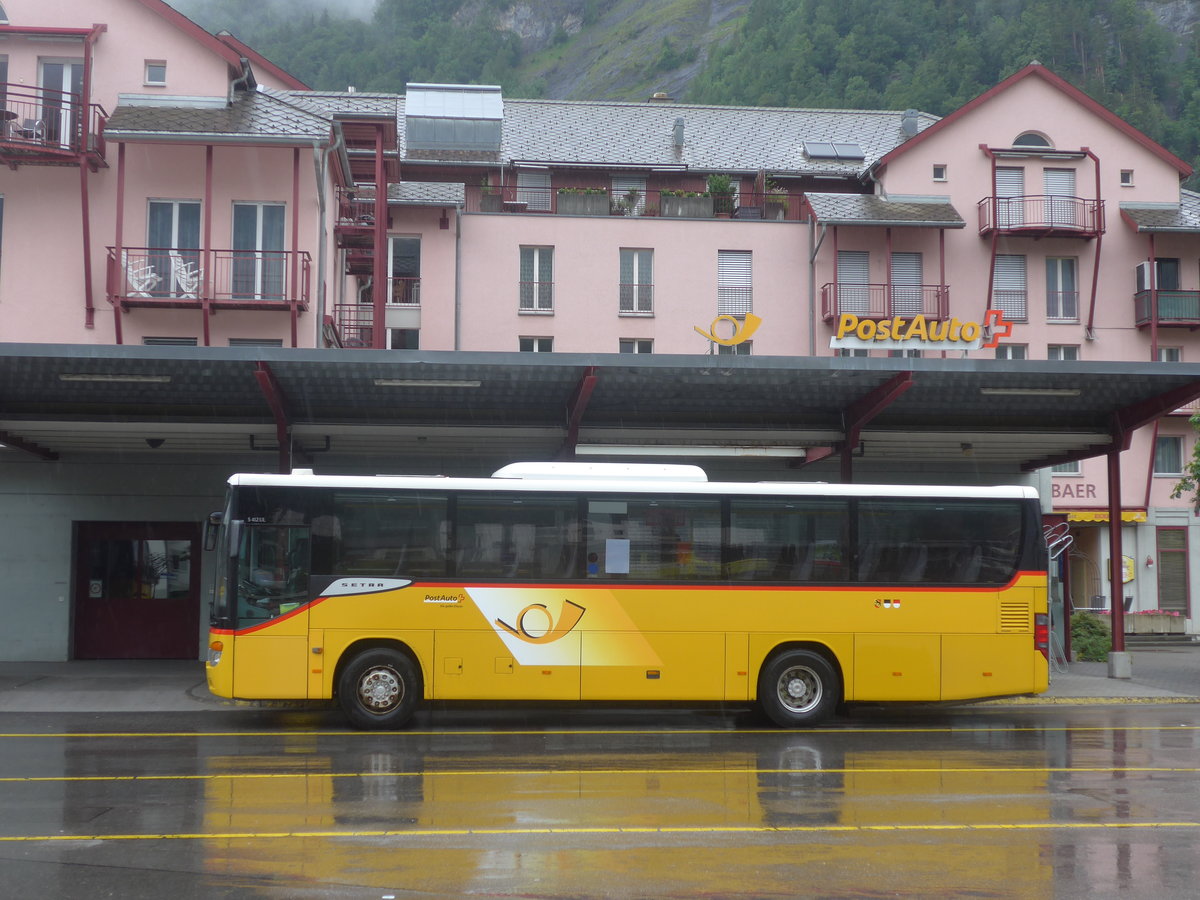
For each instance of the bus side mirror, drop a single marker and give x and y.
(212, 528)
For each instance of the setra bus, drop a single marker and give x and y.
(615, 582)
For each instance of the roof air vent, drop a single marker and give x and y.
(677, 133)
(660, 97)
(909, 123)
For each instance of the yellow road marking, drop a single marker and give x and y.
(588, 732)
(594, 830)
(576, 773)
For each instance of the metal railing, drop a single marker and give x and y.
(33, 119)
(885, 301)
(1180, 308)
(254, 279)
(600, 201)
(1041, 213)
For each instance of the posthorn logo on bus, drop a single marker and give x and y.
(546, 630)
(920, 333)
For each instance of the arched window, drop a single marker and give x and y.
(1032, 139)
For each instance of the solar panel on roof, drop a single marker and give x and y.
(848, 151)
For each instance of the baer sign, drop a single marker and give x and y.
(920, 333)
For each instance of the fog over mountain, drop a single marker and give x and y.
(359, 9)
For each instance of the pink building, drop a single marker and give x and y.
(199, 195)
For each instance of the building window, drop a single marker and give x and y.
(169, 342)
(743, 349)
(1168, 455)
(1063, 352)
(533, 189)
(1127, 178)
(1166, 274)
(256, 342)
(1173, 569)
(1009, 292)
(1170, 354)
(1012, 351)
(637, 281)
(404, 272)
(1062, 292)
(847, 352)
(156, 73)
(1032, 139)
(536, 345)
(629, 194)
(904, 354)
(1070, 468)
(735, 296)
(537, 279)
(404, 338)
(636, 345)
(259, 260)
(939, 172)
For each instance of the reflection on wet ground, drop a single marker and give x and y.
(593, 803)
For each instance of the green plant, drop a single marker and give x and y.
(581, 190)
(1091, 637)
(720, 185)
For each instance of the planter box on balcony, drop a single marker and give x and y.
(1153, 624)
(491, 201)
(583, 204)
(687, 207)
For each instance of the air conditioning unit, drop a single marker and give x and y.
(1143, 275)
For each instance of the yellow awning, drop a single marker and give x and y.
(1101, 515)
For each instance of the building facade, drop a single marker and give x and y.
(200, 196)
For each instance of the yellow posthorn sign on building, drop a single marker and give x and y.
(920, 333)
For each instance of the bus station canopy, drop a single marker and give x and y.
(329, 408)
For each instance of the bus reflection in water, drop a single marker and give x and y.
(612, 582)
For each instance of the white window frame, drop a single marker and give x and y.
(535, 295)
(1161, 442)
(1063, 352)
(1170, 354)
(635, 345)
(147, 81)
(1012, 351)
(1062, 305)
(735, 282)
(1010, 288)
(636, 297)
(536, 344)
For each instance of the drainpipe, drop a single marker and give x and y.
(321, 156)
(814, 247)
(1090, 332)
(457, 277)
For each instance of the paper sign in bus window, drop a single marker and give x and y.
(616, 556)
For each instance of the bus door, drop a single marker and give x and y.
(271, 643)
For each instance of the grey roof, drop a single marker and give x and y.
(449, 408)
(610, 135)
(432, 193)
(1181, 216)
(869, 209)
(253, 115)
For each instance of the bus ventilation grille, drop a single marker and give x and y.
(1014, 616)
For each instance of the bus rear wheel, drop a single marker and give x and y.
(379, 689)
(798, 687)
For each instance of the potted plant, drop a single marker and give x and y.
(575, 201)
(490, 199)
(721, 189)
(776, 202)
(686, 204)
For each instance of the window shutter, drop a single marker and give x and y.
(1009, 292)
(734, 283)
(853, 275)
(533, 189)
(907, 273)
(1010, 189)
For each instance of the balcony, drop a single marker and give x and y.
(163, 278)
(355, 322)
(634, 204)
(1166, 309)
(1045, 215)
(40, 127)
(885, 301)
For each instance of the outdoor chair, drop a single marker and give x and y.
(185, 277)
(140, 276)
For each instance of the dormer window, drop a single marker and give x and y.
(1033, 139)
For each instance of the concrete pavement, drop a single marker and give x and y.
(1160, 675)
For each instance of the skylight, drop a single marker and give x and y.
(843, 151)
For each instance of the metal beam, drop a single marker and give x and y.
(863, 410)
(276, 400)
(576, 407)
(8, 439)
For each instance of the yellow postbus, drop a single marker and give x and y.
(613, 582)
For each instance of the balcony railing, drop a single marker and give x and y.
(636, 204)
(239, 279)
(1042, 214)
(42, 126)
(637, 298)
(885, 301)
(1166, 308)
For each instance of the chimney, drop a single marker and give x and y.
(660, 97)
(678, 133)
(908, 123)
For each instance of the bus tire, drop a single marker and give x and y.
(798, 687)
(379, 689)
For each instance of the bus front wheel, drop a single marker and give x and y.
(379, 689)
(798, 687)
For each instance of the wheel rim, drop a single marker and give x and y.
(799, 689)
(380, 689)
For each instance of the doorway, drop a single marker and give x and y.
(137, 590)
